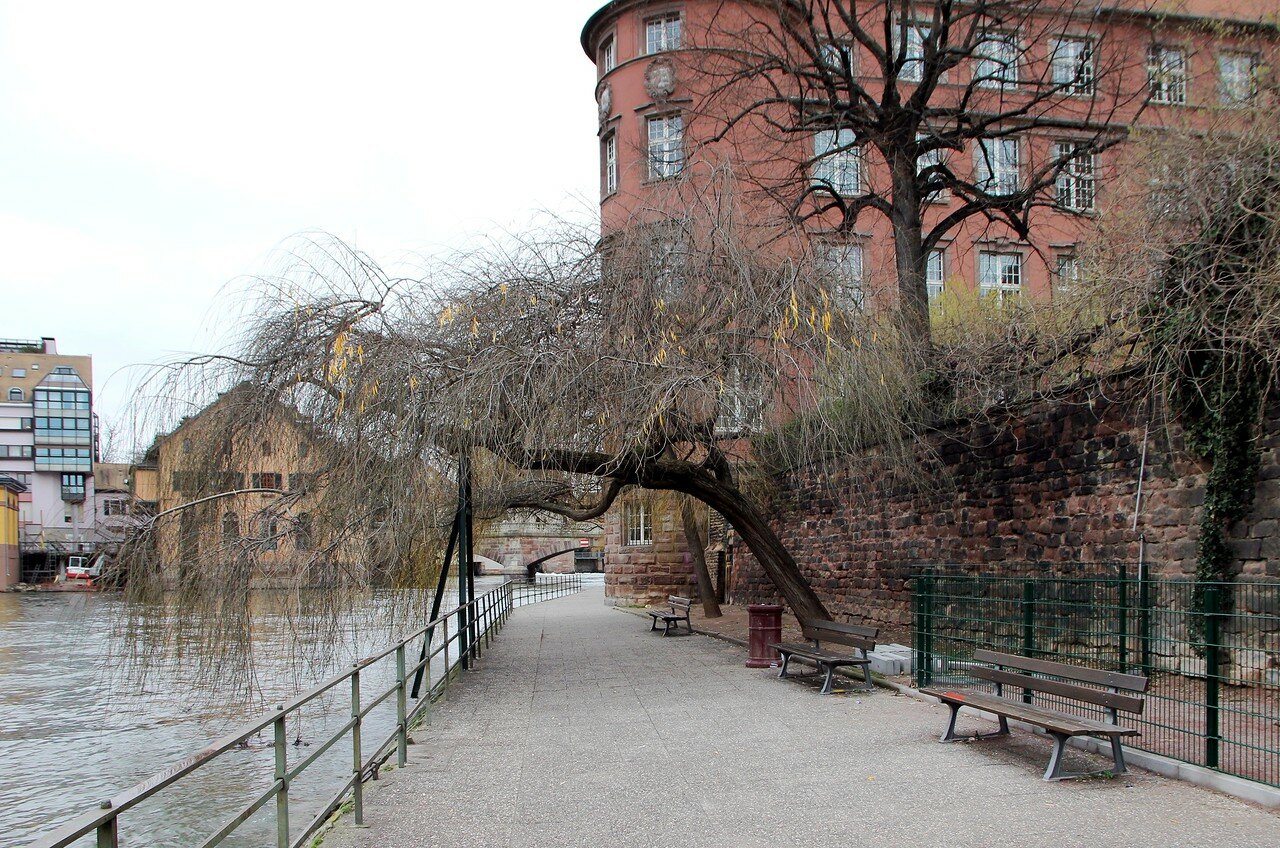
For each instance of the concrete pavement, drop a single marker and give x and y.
(582, 728)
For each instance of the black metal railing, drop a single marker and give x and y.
(1211, 650)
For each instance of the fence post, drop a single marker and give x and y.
(1028, 626)
(926, 629)
(402, 711)
(1212, 604)
(282, 777)
(447, 637)
(357, 759)
(108, 833)
(1123, 615)
(1144, 618)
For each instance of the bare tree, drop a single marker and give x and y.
(572, 370)
(950, 99)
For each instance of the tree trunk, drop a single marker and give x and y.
(759, 537)
(693, 536)
(909, 256)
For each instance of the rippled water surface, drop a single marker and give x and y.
(75, 730)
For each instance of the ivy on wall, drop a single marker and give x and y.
(1216, 379)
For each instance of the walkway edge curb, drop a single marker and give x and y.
(1236, 787)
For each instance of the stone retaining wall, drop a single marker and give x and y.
(1053, 482)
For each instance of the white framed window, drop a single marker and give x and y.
(662, 33)
(609, 155)
(16, 395)
(1167, 74)
(608, 55)
(997, 54)
(842, 265)
(740, 405)
(837, 165)
(935, 274)
(1076, 181)
(668, 260)
(666, 146)
(932, 159)
(1066, 272)
(637, 524)
(997, 165)
(1072, 64)
(1237, 78)
(913, 35)
(1000, 275)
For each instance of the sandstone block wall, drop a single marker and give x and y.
(1053, 484)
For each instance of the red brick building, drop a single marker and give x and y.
(667, 124)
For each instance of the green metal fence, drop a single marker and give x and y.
(1211, 650)
(454, 640)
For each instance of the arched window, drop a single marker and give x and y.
(15, 394)
(302, 532)
(270, 531)
(230, 526)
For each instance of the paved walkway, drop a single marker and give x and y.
(581, 728)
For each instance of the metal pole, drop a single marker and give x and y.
(402, 710)
(282, 777)
(357, 759)
(435, 611)
(468, 517)
(464, 556)
(1028, 626)
(1212, 604)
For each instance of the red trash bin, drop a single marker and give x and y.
(764, 626)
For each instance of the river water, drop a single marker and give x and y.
(75, 730)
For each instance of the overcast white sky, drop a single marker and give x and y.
(153, 153)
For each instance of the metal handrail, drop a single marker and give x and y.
(484, 616)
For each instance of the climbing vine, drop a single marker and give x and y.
(1217, 378)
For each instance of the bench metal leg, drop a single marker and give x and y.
(782, 672)
(655, 624)
(1117, 755)
(826, 684)
(950, 735)
(666, 627)
(1054, 770)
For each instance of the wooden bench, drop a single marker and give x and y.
(1112, 691)
(818, 631)
(671, 618)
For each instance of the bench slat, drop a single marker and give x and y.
(1128, 703)
(843, 634)
(1051, 720)
(1128, 682)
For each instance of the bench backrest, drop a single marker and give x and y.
(854, 635)
(679, 604)
(1123, 691)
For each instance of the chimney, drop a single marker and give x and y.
(49, 343)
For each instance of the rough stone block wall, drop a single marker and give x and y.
(647, 574)
(1053, 483)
